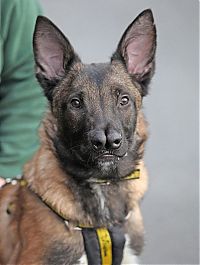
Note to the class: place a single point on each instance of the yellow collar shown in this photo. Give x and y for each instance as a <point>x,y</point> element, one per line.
<point>134,175</point>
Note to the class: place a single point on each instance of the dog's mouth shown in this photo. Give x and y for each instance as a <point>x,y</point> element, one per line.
<point>110,156</point>
<point>108,159</point>
<point>103,159</point>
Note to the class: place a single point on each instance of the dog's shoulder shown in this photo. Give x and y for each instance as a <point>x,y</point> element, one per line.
<point>10,212</point>
<point>25,218</point>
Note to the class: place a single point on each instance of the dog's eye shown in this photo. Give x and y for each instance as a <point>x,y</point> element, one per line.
<point>75,103</point>
<point>124,100</point>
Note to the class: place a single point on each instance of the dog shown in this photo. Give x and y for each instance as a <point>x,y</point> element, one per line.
<point>83,180</point>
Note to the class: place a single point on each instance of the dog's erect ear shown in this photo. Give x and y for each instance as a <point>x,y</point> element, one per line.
<point>137,48</point>
<point>53,54</point>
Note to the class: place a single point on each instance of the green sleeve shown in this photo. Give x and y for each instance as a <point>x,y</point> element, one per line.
<point>21,100</point>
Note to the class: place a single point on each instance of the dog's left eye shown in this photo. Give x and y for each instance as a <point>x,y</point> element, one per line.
<point>76,103</point>
<point>124,100</point>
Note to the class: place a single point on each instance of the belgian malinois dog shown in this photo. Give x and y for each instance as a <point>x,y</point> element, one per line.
<point>84,185</point>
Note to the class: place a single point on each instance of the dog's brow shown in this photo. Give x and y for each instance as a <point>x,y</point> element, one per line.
<point>97,72</point>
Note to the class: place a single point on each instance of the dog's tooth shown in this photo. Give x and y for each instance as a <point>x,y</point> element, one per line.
<point>126,154</point>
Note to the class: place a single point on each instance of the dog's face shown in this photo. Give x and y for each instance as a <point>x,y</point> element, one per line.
<point>96,105</point>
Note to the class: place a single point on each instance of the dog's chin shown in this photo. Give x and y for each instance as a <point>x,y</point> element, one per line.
<point>107,163</point>
<point>106,166</point>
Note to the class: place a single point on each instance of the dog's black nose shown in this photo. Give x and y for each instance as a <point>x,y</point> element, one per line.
<point>111,141</point>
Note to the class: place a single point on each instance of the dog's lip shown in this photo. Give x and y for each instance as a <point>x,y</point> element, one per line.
<point>108,155</point>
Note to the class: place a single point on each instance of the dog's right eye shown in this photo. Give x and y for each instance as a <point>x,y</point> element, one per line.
<point>76,103</point>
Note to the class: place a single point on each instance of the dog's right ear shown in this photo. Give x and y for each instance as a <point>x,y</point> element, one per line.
<point>53,54</point>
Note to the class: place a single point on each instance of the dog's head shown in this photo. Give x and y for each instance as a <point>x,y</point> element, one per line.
<point>96,106</point>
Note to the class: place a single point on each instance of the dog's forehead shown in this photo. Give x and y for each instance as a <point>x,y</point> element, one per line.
<point>97,73</point>
<point>104,75</point>
<point>99,79</point>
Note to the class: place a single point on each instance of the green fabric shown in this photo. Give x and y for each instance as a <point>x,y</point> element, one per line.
<point>21,100</point>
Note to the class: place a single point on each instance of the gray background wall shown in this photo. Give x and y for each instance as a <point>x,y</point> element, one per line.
<point>170,207</point>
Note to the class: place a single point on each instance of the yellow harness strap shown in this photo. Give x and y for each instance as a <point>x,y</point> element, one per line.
<point>104,246</point>
<point>105,243</point>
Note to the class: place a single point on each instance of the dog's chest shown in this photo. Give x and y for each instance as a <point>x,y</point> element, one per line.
<point>104,203</point>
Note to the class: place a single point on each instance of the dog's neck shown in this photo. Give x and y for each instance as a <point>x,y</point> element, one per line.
<point>47,178</point>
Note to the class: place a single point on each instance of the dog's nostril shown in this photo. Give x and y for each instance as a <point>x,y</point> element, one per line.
<point>114,140</point>
<point>97,145</point>
<point>117,143</point>
<point>99,140</point>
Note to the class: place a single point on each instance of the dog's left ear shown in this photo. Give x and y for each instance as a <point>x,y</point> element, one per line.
<point>137,49</point>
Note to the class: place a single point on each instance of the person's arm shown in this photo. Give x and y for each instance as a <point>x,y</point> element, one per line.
<point>21,100</point>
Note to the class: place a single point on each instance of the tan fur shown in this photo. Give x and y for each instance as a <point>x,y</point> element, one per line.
<point>27,228</point>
